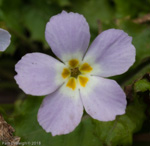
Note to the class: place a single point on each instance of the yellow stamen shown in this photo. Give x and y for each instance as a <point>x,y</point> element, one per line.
<point>73,63</point>
<point>71,83</point>
<point>65,73</point>
<point>83,81</point>
<point>86,68</point>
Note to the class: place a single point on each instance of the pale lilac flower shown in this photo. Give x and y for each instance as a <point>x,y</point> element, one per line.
<point>4,39</point>
<point>79,80</point>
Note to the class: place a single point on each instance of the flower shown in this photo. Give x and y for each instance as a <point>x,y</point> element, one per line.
<point>4,39</point>
<point>79,80</point>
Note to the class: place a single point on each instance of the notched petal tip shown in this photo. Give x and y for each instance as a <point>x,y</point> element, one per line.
<point>67,34</point>
<point>37,74</point>
<point>116,53</point>
<point>60,113</point>
<point>106,99</point>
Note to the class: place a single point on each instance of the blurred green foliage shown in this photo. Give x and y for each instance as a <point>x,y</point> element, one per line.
<point>120,131</point>
<point>142,85</point>
<point>26,20</point>
<point>28,128</point>
<point>90,132</point>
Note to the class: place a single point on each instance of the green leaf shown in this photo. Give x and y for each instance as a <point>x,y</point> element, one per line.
<point>140,35</point>
<point>35,17</point>
<point>82,136</point>
<point>26,21</point>
<point>27,127</point>
<point>94,10</point>
<point>142,85</point>
<point>142,44</point>
<point>120,131</point>
<point>90,132</point>
<point>12,14</point>
<point>131,7</point>
<point>36,27</point>
<point>63,3</point>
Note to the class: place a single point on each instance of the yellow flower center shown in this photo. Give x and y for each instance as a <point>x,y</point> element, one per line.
<point>83,80</point>
<point>65,73</point>
<point>73,63</point>
<point>86,68</point>
<point>76,73</point>
<point>71,83</point>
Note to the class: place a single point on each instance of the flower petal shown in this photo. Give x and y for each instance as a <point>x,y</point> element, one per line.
<point>103,99</point>
<point>4,39</point>
<point>68,35</point>
<point>39,74</point>
<point>61,111</point>
<point>112,53</point>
